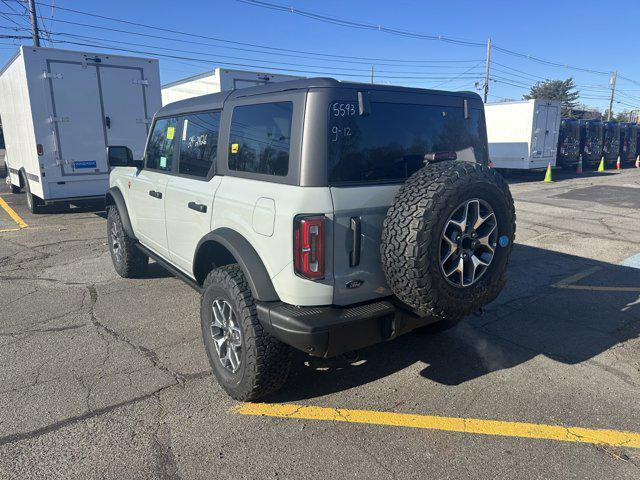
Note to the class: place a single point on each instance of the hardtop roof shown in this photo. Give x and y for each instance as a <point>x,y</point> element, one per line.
<point>215,101</point>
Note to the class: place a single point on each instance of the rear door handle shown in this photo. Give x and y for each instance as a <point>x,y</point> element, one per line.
<point>198,207</point>
<point>155,194</point>
<point>356,229</point>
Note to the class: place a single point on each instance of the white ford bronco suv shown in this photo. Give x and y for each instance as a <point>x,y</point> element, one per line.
<point>314,214</point>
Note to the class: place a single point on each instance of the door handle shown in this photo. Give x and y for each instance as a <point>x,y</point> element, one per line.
<point>155,194</point>
<point>198,207</point>
<point>356,240</point>
<point>107,121</point>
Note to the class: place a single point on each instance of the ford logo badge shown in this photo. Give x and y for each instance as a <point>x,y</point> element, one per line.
<point>354,284</point>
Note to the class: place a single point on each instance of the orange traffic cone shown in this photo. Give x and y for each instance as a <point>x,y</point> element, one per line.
<point>579,166</point>
<point>618,166</point>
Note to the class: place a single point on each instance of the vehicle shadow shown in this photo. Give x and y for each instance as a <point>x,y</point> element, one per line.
<point>531,317</point>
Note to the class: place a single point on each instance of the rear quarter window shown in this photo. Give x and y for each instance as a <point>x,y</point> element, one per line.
<point>390,143</point>
<point>260,138</point>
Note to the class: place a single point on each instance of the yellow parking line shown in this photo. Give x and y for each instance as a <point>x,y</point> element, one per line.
<point>576,277</point>
<point>448,424</point>
<point>16,218</point>
<point>569,282</point>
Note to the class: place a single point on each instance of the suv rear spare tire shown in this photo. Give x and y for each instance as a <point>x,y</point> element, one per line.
<point>446,240</point>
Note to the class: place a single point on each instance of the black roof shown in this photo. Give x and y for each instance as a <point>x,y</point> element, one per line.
<point>216,100</point>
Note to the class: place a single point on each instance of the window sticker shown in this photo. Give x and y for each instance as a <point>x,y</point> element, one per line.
<point>170,132</point>
<point>184,129</point>
<point>234,148</point>
<point>163,162</point>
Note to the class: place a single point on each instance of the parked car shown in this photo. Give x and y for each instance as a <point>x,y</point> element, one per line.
<point>314,214</point>
<point>60,109</point>
<point>568,144</point>
<point>611,142</point>
<point>591,140</point>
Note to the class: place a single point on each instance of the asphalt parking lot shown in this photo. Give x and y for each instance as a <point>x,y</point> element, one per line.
<point>102,377</point>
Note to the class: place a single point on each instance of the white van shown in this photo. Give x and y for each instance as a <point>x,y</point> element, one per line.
<point>523,135</point>
<point>60,109</point>
<point>218,80</point>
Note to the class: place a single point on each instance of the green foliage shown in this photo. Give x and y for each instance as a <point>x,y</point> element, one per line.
<point>563,90</point>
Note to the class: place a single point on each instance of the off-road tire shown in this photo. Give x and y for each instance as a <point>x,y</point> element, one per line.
<point>265,361</point>
<point>130,262</point>
<point>411,235</point>
<point>34,203</point>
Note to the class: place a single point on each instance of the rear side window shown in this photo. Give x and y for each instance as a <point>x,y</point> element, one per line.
<point>260,138</point>
<point>199,143</point>
<point>390,143</point>
<point>160,148</point>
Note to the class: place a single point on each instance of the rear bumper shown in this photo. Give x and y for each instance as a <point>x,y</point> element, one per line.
<point>328,331</point>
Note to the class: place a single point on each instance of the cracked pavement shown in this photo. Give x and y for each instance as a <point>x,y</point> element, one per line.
<point>102,377</point>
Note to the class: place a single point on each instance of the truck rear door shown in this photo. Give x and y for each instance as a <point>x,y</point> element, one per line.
<point>77,118</point>
<point>124,107</point>
<point>369,157</point>
<point>545,128</point>
<point>94,106</point>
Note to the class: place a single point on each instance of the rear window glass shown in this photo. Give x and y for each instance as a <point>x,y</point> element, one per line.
<point>390,143</point>
<point>260,137</point>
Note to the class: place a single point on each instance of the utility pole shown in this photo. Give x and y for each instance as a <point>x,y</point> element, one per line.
<point>612,82</point>
<point>34,23</point>
<point>371,73</point>
<point>486,76</point>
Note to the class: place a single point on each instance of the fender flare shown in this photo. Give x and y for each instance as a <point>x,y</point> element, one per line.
<point>114,197</point>
<point>247,258</point>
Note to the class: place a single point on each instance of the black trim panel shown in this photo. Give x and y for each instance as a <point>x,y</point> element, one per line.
<point>115,194</point>
<point>328,331</point>
<point>170,268</point>
<point>254,270</point>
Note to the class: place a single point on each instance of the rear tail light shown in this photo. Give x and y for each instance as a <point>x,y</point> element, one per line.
<point>309,246</point>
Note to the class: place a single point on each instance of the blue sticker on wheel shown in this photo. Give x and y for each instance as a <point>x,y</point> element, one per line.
<point>85,164</point>
<point>503,241</point>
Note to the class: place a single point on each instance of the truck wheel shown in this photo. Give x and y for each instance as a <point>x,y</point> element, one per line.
<point>35,204</point>
<point>247,361</point>
<point>128,261</point>
<point>446,240</point>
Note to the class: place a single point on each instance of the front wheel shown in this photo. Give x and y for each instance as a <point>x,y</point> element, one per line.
<point>128,261</point>
<point>247,361</point>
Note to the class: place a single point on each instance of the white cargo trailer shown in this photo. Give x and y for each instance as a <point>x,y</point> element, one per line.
<point>523,135</point>
<point>60,109</point>
<point>218,80</point>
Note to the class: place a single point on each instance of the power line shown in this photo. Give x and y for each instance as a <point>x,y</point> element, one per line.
<point>245,44</point>
<point>360,25</point>
<point>212,62</point>
<point>91,38</point>
<point>356,24</point>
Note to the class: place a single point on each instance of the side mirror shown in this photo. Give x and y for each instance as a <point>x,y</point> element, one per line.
<point>120,156</point>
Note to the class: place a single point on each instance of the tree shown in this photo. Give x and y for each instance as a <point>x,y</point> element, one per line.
<point>563,90</point>
<point>623,116</point>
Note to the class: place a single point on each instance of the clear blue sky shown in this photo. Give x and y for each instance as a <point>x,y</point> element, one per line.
<point>598,35</point>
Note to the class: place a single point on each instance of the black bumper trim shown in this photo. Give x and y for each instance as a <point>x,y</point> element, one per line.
<point>328,331</point>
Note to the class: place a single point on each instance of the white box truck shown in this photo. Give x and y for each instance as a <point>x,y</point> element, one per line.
<point>218,80</point>
<point>523,135</point>
<point>60,109</point>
